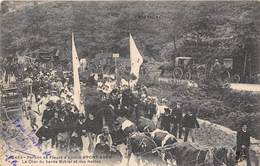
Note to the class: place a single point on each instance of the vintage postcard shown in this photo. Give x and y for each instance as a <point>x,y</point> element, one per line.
<point>174,83</point>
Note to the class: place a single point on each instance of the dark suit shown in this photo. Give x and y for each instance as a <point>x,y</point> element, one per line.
<point>44,132</point>
<point>126,97</point>
<point>150,110</point>
<point>167,119</point>
<point>177,125</point>
<point>47,115</point>
<point>189,122</point>
<point>243,138</point>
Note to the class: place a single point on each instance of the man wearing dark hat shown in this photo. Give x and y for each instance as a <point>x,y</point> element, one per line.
<point>150,109</point>
<point>92,130</point>
<point>126,97</point>
<point>166,120</point>
<point>178,116</point>
<point>243,144</point>
<point>48,113</point>
<point>114,98</point>
<point>189,123</point>
<point>62,129</point>
<point>35,87</point>
<point>44,134</point>
<point>53,123</point>
<point>79,131</point>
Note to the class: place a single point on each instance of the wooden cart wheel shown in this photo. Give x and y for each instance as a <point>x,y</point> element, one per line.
<point>187,75</point>
<point>177,73</point>
<point>201,72</point>
<point>236,78</point>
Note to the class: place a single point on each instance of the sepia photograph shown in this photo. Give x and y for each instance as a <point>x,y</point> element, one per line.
<point>129,83</point>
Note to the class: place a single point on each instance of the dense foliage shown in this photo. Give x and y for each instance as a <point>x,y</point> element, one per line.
<point>162,30</point>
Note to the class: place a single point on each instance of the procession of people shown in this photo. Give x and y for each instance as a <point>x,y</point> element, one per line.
<point>48,96</point>
<point>66,126</point>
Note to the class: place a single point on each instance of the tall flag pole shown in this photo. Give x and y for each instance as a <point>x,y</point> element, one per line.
<point>75,66</point>
<point>136,61</point>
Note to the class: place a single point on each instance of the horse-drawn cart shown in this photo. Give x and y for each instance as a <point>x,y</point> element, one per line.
<point>184,68</point>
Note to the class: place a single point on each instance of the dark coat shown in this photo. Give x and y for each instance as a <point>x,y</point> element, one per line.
<point>47,115</point>
<point>58,126</point>
<point>141,108</point>
<point>150,110</point>
<point>94,125</point>
<point>62,126</point>
<point>115,101</point>
<point>53,123</point>
<point>126,97</point>
<point>243,138</point>
<point>167,119</point>
<point>118,136</point>
<point>44,132</point>
<point>80,127</point>
<point>190,121</point>
<point>178,115</point>
<point>72,119</point>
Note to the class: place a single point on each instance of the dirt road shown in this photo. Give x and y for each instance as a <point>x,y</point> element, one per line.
<point>246,87</point>
<point>235,86</point>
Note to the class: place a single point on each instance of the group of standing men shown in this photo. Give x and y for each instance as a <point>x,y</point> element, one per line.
<point>177,120</point>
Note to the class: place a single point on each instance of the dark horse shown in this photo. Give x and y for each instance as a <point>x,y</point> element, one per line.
<point>143,148</point>
<point>139,145</point>
<point>166,68</point>
<point>124,128</point>
<point>188,154</point>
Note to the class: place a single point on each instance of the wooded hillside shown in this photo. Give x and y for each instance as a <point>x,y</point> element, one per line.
<point>162,30</point>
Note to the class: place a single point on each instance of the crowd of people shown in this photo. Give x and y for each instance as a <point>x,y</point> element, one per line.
<point>173,118</point>
<point>48,94</point>
<point>64,126</point>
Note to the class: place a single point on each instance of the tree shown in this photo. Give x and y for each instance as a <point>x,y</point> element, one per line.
<point>198,32</point>
<point>247,45</point>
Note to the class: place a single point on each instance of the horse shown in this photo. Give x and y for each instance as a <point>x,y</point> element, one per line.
<point>189,154</point>
<point>166,68</point>
<point>128,127</point>
<point>163,138</point>
<point>125,128</point>
<point>145,125</point>
<point>142,147</point>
